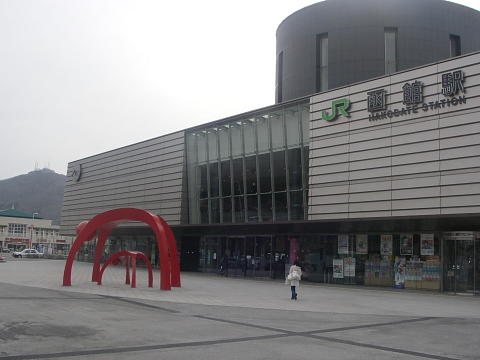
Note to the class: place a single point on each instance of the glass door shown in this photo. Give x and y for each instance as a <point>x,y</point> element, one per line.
<point>209,254</point>
<point>263,256</point>
<point>237,258</point>
<point>459,270</point>
<point>250,261</point>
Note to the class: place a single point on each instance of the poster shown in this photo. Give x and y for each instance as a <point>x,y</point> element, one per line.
<point>338,268</point>
<point>362,244</point>
<point>427,244</point>
<point>343,244</point>
<point>400,265</point>
<point>349,266</point>
<point>406,244</point>
<point>386,247</point>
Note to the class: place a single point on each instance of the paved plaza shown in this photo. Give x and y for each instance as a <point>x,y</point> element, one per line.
<point>213,317</point>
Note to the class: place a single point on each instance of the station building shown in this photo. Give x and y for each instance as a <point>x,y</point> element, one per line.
<point>365,170</point>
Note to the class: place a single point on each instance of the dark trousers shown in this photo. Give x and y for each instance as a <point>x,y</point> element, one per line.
<point>293,292</point>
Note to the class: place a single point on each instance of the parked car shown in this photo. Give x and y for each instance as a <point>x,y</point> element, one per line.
<point>5,250</point>
<point>27,253</point>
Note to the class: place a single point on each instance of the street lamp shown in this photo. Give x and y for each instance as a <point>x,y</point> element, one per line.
<point>30,244</point>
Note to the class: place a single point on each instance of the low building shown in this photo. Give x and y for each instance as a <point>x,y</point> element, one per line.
<point>19,230</point>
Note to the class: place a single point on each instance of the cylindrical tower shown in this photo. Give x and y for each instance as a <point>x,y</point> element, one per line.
<point>339,42</point>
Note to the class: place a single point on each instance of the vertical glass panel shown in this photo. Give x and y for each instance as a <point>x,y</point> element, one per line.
<point>204,211</point>
<point>191,153</point>
<point>249,136</point>
<point>281,206</point>
<point>305,121</point>
<point>296,205</point>
<point>276,124</point>
<point>324,62</point>
<point>262,134</point>
<point>476,275</point>
<point>212,145</point>
<point>252,208</point>
<point>390,53</point>
<point>201,147</point>
<point>238,176</point>
<point>215,210</point>
<point>455,48</point>
<point>265,173</point>
<point>390,50</point>
<point>266,207</point>
<point>214,181</point>
<point>295,168</point>
<point>390,68</point>
<point>279,173</point>
<point>324,50</point>
<point>305,151</point>
<point>236,137</point>
<point>279,77</point>
<point>292,126</point>
<point>226,178</point>
<point>324,79</point>
<point>192,194</point>
<point>227,209</point>
<point>224,143</point>
<point>239,209</point>
<point>251,174</point>
<point>202,182</point>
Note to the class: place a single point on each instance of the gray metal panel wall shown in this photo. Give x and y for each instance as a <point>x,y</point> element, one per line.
<point>149,175</point>
<point>424,163</point>
<point>356,39</point>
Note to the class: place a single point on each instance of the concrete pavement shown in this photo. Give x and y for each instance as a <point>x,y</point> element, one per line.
<point>213,317</point>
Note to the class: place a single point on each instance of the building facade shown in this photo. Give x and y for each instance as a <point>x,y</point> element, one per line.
<point>373,183</point>
<point>20,231</point>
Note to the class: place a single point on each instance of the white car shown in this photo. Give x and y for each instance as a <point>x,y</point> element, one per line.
<point>27,253</point>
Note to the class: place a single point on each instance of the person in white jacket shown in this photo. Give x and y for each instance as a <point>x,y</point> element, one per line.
<point>294,277</point>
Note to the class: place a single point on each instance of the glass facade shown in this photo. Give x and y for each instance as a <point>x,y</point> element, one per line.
<point>250,169</point>
<point>404,261</point>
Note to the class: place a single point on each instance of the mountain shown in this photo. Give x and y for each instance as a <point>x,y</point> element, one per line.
<point>39,191</point>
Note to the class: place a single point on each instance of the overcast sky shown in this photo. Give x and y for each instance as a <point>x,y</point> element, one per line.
<point>81,77</point>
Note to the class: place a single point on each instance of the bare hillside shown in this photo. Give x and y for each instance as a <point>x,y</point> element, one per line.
<point>39,191</point>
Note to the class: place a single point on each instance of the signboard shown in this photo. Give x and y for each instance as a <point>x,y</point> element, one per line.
<point>452,89</point>
<point>18,240</point>
<point>338,268</point>
<point>406,244</point>
<point>452,84</point>
<point>343,244</point>
<point>349,266</point>
<point>427,245</point>
<point>362,244</point>
<point>400,265</point>
<point>459,235</point>
<point>386,247</point>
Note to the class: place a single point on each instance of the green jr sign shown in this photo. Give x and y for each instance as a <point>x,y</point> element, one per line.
<point>338,107</point>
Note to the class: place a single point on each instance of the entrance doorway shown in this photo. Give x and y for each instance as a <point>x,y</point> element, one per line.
<point>461,255</point>
<point>248,256</point>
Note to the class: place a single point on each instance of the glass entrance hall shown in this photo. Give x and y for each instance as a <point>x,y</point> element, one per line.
<point>446,262</point>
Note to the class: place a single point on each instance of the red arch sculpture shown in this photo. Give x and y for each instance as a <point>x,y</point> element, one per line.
<point>104,223</point>
<point>133,255</point>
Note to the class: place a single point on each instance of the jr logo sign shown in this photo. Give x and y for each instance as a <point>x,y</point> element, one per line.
<point>338,106</point>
